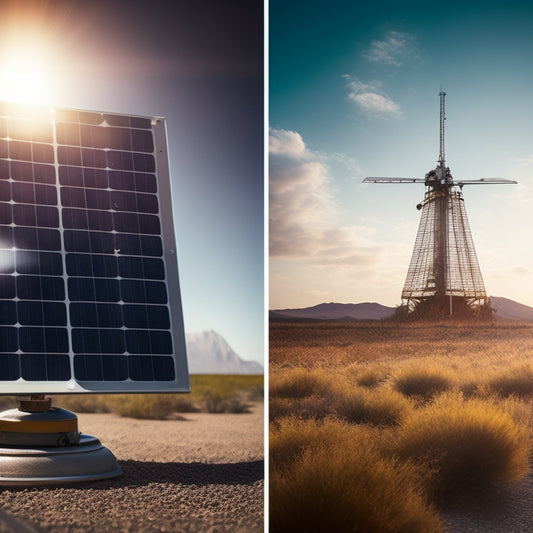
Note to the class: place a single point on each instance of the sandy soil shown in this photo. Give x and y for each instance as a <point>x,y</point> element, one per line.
<point>203,474</point>
<point>507,509</point>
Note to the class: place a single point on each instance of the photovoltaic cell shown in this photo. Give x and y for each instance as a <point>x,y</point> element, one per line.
<point>89,291</point>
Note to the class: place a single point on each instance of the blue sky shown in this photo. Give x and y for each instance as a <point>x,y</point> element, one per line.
<point>200,65</point>
<point>354,92</point>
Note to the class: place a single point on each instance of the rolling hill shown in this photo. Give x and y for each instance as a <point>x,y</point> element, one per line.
<point>505,309</point>
<point>511,310</point>
<point>336,311</point>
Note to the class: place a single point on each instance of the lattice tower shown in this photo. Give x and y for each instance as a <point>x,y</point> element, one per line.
<point>444,277</point>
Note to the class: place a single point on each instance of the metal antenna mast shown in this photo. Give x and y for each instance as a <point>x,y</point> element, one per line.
<point>442,159</point>
<point>444,278</point>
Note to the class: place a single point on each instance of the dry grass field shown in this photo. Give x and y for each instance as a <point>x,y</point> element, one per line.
<point>211,393</point>
<point>391,426</point>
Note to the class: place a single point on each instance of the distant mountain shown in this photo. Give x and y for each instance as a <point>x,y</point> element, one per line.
<point>504,309</point>
<point>511,310</point>
<point>335,311</point>
<point>209,353</point>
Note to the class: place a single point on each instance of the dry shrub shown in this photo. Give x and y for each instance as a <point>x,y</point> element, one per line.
<point>226,385</point>
<point>470,388</point>
<point>219,403</point>
<point>291,436</point>
<point>279,408</point>
<point>152,406</point>
<point>184,403</point>
<point>517,381</point>
<point>302,392</point>
<point>379,407</point>
<point>214,393</point>
<point>83,403</point>
<point>518,408</point>
<point>348,486</point>
<point>257,393</point>
<point>368,376</point>
<point>423,382</point>
<point>314,407</point>
<point>299,382</point>
<point>468,445</point>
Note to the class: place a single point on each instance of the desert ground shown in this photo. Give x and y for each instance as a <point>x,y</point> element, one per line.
<point>204,473</point>
<point>507,510</point>
<point>326,372</point>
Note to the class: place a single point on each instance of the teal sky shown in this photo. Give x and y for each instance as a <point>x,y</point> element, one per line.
<point>354,92</point>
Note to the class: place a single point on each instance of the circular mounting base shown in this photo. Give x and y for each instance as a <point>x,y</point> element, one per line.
<point>29,466</point>
<point>54,427</point>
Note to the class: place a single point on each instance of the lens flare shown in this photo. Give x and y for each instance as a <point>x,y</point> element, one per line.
<point>26,72</point>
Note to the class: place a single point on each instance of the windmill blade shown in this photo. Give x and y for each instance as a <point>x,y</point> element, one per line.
<point>393,180</point>
<point>481,181</point>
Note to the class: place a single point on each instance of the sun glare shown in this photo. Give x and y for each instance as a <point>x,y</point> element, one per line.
<point>26,72</point>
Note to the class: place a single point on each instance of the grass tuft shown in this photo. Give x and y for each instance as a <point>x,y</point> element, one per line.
<point>378,407</point>
<point>515,381</point>
<point>279,408</point>
<point>314,407</point>
<point>368,377</point>
<point>348,486</point>
<point>422,382</point>
<point>300,383</point>
<point>468,445</point>
<point>291,436</point>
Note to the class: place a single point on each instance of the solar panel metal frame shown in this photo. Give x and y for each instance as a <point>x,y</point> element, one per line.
<point>180,381</point>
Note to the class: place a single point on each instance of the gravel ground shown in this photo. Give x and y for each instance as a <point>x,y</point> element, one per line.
<point>507,509</point>
<point>202,474</point>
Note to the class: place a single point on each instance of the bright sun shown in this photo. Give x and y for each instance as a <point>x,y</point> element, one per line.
<point>26,72</point>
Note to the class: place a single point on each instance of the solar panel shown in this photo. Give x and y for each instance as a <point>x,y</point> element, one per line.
<point>89,290</point>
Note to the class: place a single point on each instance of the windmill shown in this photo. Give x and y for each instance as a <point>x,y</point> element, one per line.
<point>444,278</point>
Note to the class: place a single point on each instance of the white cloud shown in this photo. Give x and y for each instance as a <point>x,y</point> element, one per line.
<point>392,49</point>
<point>371,99</point>
<point>314,257</point>
<point>289,143</point>
<point>299,200</point>
<point>302,210</point>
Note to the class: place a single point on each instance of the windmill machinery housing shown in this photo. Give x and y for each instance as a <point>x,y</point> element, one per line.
<point>444,278</point>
